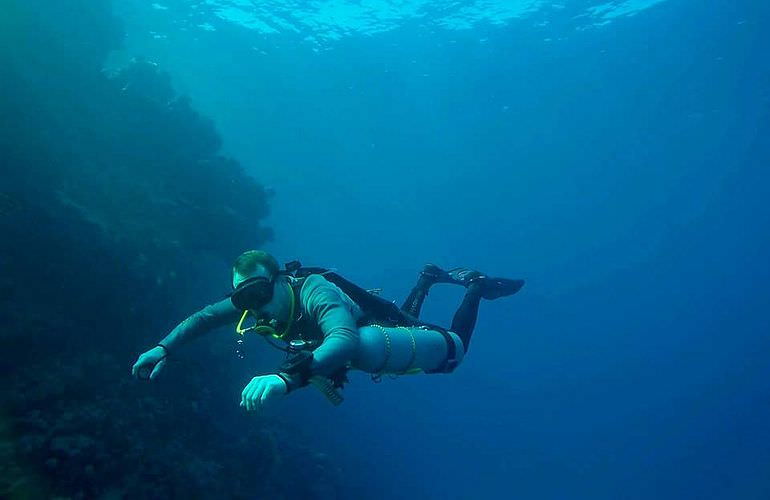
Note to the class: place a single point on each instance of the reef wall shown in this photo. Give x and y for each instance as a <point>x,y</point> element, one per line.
<point>114,199</point>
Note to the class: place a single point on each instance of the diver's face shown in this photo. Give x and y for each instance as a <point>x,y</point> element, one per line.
<point>279,304</point>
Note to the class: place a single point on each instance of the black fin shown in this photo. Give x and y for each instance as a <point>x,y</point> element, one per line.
<point>494,288</point>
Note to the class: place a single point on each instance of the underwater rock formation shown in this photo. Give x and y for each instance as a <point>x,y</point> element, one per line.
<point>113,191</point>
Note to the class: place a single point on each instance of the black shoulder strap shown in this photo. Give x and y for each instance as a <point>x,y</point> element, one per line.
<point>375,308</point>
<point>297,270</point>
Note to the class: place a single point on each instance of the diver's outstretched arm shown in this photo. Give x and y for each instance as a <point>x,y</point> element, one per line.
<point>207,319</point>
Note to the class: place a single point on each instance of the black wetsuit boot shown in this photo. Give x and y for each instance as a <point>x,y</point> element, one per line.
<point>413,303</point>
<point>429,276</point>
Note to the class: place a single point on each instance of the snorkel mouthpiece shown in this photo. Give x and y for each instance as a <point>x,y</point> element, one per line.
<point>260,325</point>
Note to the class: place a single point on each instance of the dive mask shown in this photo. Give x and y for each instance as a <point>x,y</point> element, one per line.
<point>252,293</point>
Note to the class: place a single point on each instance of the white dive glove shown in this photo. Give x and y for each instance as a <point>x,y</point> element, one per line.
<point>150,364</point>
<point>262,389</point>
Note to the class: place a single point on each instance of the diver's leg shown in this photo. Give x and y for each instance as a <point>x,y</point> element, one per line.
<point>464,320</point>
<point>478,286</point>
<point>413,303</point>
<point>429,276</point>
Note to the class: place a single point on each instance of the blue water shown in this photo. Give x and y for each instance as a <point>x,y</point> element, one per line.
<point>614,155</point>
<point>616,162</point>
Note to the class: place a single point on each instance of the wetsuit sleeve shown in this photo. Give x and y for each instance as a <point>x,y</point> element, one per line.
<point>334,313</point>
<point>210,317</point>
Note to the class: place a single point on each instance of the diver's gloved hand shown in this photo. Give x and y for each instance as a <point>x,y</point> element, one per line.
<point>149,364</point>
<point>262,389</point>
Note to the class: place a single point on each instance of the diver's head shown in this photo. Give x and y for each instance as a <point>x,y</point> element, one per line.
<point>254,263</point>
<point>261,291</point>
<point>255,275</point>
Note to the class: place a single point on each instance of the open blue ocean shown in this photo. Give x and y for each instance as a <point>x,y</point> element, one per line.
<point>614,154</point>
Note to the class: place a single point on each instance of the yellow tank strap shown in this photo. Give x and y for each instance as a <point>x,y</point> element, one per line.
<point>388,349</point>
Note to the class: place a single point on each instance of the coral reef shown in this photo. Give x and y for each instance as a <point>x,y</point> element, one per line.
<point>113,193</point>
<point>79,436</point>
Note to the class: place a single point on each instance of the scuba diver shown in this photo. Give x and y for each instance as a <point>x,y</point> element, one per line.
<point>328,326</point>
